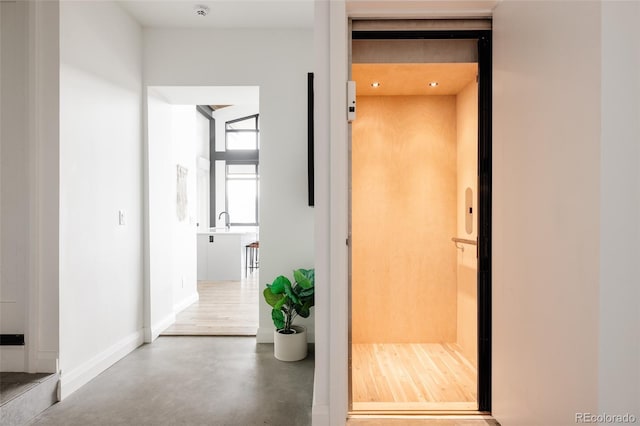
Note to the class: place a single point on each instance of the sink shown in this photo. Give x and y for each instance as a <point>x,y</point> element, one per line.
<point>233,230</point>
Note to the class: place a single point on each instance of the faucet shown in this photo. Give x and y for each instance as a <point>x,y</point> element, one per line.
<point>228,225</point>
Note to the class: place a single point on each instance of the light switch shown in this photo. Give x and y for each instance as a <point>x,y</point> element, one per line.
<point>121,217</point>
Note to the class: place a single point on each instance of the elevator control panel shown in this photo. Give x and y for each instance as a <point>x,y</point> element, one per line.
<point>351,101</point>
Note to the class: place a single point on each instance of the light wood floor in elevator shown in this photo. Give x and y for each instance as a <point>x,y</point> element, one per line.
<point>412,377</point>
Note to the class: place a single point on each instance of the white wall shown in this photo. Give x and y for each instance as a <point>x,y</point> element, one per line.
<point>14,168</point>
<point>203,165</point>
<point>619,328</point>
<point>330,397</point>
<point>43,310</point>
<point>101,265</point>
<point>278,62</point>
<point>324,344</point>
<point>202,136</point>
<point>174,137</point>
<point>161,214</point>
<point>29,192</point>
<point>579,263</point>
<point>546,198</point>
<point>184,140</point>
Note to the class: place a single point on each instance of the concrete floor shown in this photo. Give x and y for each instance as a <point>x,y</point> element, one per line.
<point>218,381</point>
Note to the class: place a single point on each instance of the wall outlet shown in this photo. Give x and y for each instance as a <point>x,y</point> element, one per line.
<point>121,217</point>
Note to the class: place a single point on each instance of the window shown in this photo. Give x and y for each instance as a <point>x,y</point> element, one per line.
<point>242,193</point>
<point>242,134</point>
<point>242,181</point>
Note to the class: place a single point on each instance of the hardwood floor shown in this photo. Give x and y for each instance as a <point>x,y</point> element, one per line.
<point>225,308</point>
<point>472,420</point>
<point>412,377</point>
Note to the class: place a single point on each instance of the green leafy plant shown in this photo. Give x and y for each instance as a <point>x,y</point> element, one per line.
<point>290,300</point>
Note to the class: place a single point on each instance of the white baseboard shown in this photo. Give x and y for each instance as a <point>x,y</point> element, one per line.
<point>265,335</point>
<point>70,381</point>
<point>320,415</point>
<point>152,333</point>
<point>186,302</point>
<point>12,358</point>
<point>161,326</point>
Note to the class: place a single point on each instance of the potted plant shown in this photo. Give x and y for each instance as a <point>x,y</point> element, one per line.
<point>289,301</point>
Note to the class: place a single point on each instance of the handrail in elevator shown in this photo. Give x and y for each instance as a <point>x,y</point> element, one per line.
<point>459,241</point>
<point>464,241</point>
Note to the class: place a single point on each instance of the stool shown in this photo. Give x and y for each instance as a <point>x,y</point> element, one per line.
<point>251,257</point>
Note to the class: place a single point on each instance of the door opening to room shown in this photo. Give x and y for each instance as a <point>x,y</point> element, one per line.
<point>228,250</point>
<point>207,173</point>
<point>420,222</point>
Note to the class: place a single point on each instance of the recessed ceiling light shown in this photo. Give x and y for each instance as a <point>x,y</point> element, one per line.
<point>433,84</point>
<point>375,84</point>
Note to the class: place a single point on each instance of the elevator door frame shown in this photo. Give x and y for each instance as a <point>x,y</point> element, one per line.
<point>484,191</point>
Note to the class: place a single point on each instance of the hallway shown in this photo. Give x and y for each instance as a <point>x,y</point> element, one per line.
<point>225,308</point>
<point>220,381</point>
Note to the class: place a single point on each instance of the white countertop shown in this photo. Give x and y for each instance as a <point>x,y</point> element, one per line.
<point>234,230</point>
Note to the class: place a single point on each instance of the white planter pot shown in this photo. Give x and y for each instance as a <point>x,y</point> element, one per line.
<point>290,347</point>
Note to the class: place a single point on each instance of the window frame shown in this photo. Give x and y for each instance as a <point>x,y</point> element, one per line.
<point>243,157</point>
<point>226,191</point>
<point>255,130</point>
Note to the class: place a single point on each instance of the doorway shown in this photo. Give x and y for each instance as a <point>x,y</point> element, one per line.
<point>228,235</point>
<point>203,209</point>
<point>420,222</point>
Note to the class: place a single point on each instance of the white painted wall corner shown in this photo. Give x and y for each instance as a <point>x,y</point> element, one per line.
<point>185,303</point>
<point>160,326</point>
<point>320,415</point>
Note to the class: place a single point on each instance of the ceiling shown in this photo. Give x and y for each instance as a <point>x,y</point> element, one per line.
<point>223,14</point>
<point>395,79</point>
<point>227,14</point>
<point>208,95</point>
<point>412,79</point>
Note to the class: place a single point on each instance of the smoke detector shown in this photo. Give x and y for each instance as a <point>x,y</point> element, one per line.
<point>201,10</point>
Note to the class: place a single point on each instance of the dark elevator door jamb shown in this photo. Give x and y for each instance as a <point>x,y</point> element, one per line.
<point>484,185</point>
